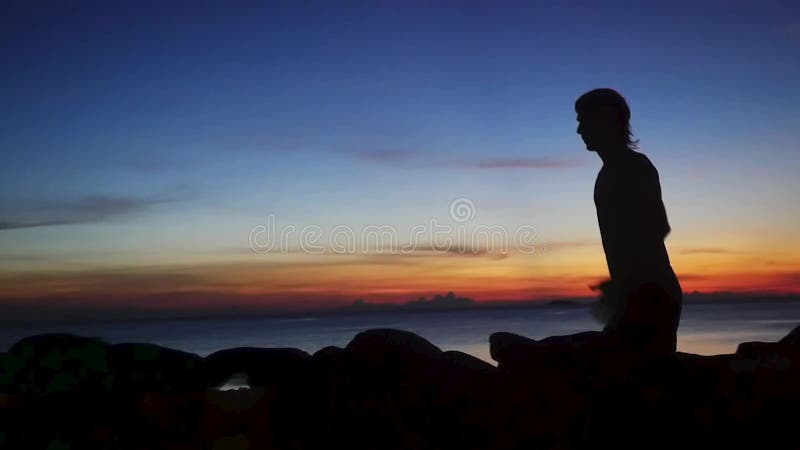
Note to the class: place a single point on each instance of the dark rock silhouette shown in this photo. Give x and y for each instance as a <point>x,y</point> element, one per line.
<point>792,339</point>
<point>138,366</point>
<point>406,349</point>
<point>511,350</point>
<point>328,353</point>
<point>392,389</point>
<point>788,347</point>
<point>284,377</point>
<point>51,364</point>
<point>260,365</point>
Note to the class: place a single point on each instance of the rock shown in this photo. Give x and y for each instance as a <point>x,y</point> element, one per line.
<point>41,344</point>
<point>392,389</point>
<point>378,393</point>
<point>55,363</point>
<point>756,349</point>
<point>10,368</point>
<point>262,365</point>
<point>234,411</point>
<point>792,339</point>
<point>463,380</point>
<point>391,345</point>
<point>399,353</point>
<point>139,366</point>
<point>235,442</point>
<point>65,382</point>
<point>284,378</point>
<point>329,367</point>
<point>512,351</point>
<point>328,362</point>
<point>466,363</point>
<point>461,376</point>
<point>328,353</point>
<point>161,419</point>
<point>787,347</point>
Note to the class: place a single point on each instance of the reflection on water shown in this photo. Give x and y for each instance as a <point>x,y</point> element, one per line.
<point>706,328</point>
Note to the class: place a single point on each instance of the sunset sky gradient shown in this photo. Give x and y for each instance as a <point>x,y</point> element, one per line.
<point>142,141</point>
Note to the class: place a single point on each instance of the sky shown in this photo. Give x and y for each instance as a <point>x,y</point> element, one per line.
<point>147,146</point>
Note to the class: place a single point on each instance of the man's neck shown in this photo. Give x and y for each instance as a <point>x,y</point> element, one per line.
<point>611,154</point>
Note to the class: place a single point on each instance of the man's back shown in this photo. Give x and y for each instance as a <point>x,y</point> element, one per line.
<point>631,215</point>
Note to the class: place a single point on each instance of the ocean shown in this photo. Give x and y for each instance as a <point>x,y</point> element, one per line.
<point>709,327</point>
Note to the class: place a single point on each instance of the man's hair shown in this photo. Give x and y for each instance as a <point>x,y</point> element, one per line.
<point>603,98</point>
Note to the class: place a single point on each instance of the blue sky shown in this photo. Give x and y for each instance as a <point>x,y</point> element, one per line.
<point>143,133</point>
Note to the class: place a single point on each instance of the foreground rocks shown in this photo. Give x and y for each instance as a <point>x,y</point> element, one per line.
<point>391,389</point>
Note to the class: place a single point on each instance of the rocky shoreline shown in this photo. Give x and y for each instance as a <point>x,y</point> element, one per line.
<point>391,389</point>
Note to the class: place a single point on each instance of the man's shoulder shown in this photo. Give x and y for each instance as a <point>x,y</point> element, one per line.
<point>640,158</point>
<point>642,163</point>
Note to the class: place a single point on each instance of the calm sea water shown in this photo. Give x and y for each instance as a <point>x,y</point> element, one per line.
<point>706,328</point>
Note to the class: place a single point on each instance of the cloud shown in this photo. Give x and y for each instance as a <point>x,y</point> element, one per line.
<point>397,251</point>
<point>792,29</point>
<point>394,252</point>
<point>524,163</point>
<point>409,158</point>
<point>430,251</point>
<point>87,209</point>
<point>388,156</point>
<point>786,281</point>
<point>707,250</point>
<point>563,245</point>
<point>145,164</point>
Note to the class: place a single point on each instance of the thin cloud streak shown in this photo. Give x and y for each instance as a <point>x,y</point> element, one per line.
<point>84,210</point>
<point>387,156</point>
<point>525,163</point>
<point>707,250</point>
<point>412,158</point>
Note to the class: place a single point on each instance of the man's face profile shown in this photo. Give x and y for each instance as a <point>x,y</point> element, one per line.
<point>599,128</point>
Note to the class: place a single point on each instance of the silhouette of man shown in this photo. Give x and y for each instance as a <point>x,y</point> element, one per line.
<point>641,303</point>
<point>642,300</point>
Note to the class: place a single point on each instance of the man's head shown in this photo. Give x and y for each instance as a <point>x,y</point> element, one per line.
<point>604,120</point>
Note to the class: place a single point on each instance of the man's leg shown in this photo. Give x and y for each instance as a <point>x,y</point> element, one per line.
<point>651,319</point>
